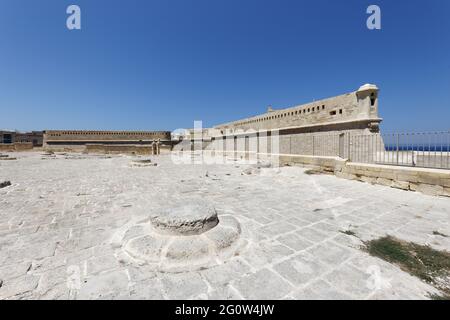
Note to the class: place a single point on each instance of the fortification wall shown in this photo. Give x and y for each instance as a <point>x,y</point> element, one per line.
<point>17,146</point>
<point>65,148</point>
<point>329,143</point>
<point>435,182</point>
<point>354,106</point>
<point>118,149</point>
<point>74,137</point>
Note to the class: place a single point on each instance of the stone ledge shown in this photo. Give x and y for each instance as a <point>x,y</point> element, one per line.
<point>435,182</point>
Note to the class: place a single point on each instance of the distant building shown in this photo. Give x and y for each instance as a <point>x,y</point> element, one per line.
<point>10,137</point>
<point>85,140</point>
<point>323,127</point>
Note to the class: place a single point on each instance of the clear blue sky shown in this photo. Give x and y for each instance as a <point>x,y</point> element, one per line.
<point>160,64</point>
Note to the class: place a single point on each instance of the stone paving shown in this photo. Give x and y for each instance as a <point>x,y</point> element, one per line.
<point>65,219</point>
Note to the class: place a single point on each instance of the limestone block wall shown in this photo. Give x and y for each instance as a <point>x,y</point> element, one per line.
<point>8,147</point>
<point>65,148</point>
<point>23,146</point>
<point>118,149</point>
<point>34,137</point>
<point>294,141</point>
<point>69,137</point>
<point>17,146</point>
<point>434,182</point>
<point>323,128</point>
<point>359,105</point>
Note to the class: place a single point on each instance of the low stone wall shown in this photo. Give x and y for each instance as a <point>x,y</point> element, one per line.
<point>165,149</point>
<point>428,181</point>
<point>17,146</point>
<point>434,182</point>
<point>7,147</point>
<point>116,149</point>
<point>65,148</point>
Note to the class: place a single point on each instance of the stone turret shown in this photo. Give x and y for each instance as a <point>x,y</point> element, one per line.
<point>367,96</point>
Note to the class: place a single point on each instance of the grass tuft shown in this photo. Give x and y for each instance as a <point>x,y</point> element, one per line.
<point>421,261</point>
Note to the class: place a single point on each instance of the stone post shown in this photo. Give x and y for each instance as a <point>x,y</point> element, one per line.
<point>153,147</point>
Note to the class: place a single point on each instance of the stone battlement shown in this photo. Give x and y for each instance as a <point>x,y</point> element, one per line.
<point>358,106</point>
<point>70,135</point>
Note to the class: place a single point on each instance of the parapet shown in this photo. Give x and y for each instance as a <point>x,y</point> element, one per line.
<point>367,87</point>
<point>351,109</point>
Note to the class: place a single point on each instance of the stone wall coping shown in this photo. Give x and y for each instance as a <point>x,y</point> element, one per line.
<point>305,156</point>
<point>400,168</point>
<point>76,140</point>
<point>287,109</point>
<point>299,127</point>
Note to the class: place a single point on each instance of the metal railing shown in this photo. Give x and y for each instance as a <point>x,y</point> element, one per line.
<point>428,150</point>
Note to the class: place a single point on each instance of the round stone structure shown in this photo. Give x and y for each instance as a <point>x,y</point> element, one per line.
<point>191,219</point>
<point>183,238</point>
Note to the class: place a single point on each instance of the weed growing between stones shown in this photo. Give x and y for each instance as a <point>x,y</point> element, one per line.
<point>424,262</point>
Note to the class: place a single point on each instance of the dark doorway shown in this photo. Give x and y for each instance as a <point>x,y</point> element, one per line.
<point>7,138</point>
<point>342,145</point>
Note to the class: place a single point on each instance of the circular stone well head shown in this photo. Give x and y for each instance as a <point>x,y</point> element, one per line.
<point>185,220</point>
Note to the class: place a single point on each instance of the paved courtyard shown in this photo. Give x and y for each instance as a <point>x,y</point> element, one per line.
<point>66,219</point>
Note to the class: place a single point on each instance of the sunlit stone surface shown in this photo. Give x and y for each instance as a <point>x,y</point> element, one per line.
<point>76,226</point>
<point>187,219</point>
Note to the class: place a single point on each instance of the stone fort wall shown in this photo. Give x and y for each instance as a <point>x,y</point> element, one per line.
<point>68,136</point>
<point>138,142</point>
<point>319,128</point>
<point>358,106</point>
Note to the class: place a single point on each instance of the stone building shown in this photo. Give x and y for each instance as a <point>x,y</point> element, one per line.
<point>7,137</point>
<point>108,141</point>
<point>34,137</point>
<point>357,109</point>
<point>324,127</point>
<point>11,137</point>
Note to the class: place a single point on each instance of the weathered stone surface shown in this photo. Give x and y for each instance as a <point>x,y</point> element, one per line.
<point>446,182</point>
<point>13,271</point>
<point>18,286</point>
<point>183,286</point>
<point>346,175</point>
<point>263,164</point>
<point>150,289</point>
<point>301,269</point>
<point>446,192</point>
<point>225,273</point>
<point>250,171</point>
<point>428,189</point>
<point>187,219</point>
<point>275,218</point>
<point>147,248</point>
<point>223,237</point>
<point>384,182</point>
<point>262,284</point>
<point>183,249</point>
<point>294,241</point>
<point>104,285</point>
<point>320,290</point>
<point>368,179</point>
<point>404,185</point>
<point>352,281</point>
<point>188,251</point>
